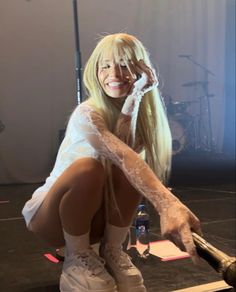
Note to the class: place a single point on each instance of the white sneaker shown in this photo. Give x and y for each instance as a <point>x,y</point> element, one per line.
<point>128,277</point>
<point>85,272</point>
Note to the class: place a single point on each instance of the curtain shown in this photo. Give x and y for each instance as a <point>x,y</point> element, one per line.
<point>229,128</point>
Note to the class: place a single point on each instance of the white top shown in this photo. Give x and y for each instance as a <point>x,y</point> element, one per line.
<point>75,145</point>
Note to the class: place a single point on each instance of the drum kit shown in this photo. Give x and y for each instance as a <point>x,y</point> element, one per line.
<point>186,129</point>
<point>181,125</point>
<point>192,132</point>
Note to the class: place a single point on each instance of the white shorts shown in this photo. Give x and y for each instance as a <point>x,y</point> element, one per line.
<point>32,205</point>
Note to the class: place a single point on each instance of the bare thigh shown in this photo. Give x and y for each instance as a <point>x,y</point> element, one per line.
<point>89,174</point>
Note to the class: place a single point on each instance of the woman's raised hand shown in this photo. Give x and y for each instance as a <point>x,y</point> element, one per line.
<point>146,78</point>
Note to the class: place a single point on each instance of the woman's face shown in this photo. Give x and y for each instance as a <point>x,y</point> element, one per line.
<point>116,79</point>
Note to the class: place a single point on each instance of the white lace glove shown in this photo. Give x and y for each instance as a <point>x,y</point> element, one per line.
<point>177,222</point>
<point>146,82</point>
<point>126,124</point>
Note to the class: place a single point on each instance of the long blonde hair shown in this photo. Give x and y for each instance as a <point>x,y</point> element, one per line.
<point>152,123</point>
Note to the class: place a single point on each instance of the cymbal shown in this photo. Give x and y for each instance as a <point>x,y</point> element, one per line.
<point>194,83</point>
<point>207,95</point>
<point>191,101</point>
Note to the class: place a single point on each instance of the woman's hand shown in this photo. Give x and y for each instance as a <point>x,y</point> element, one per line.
<point>146,79</point>
<point>177,222</point>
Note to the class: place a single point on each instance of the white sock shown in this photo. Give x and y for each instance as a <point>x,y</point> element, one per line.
<point>115,235</point>
<point>76,243</point>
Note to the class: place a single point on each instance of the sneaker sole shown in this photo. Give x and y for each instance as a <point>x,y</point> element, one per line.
<point>139,288</point>
<point>73,286</point>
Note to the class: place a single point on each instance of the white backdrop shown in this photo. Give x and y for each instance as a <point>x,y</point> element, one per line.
<point>37,84</point>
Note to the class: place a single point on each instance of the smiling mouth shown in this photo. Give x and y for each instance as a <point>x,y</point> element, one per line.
<point>115,84</point>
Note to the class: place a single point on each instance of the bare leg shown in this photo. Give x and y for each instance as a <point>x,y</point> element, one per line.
<point>72,203</point>
<point>128,277</point>
<point>127,198</point>
<point>65,218</point>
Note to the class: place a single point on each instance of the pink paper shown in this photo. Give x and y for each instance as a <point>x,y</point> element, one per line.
<point>164,249</point>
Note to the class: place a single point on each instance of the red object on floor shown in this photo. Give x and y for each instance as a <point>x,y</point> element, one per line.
<point>51,258</point>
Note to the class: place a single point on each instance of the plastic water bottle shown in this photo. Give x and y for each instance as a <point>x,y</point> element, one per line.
<point>142,229</point>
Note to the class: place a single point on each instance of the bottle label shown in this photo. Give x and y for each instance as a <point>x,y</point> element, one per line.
<point>141,222</point>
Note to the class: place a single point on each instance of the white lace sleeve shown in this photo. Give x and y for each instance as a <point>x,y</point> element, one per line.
<point>176,219</point>
<point>135,169</point>
<point>126,124</point>
<point>125,128</point>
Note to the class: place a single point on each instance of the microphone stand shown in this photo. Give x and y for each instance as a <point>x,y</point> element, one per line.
<point>217,259</point>
<point>78,68</point>
<point>207,95</point>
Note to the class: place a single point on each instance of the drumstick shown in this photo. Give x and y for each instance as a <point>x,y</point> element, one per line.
<point>221,262</point>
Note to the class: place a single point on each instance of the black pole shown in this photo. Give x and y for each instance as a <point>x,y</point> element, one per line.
<point>78,67</point>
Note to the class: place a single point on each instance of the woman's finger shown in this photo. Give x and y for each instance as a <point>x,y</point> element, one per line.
<point>149,71</point>
<point>187,240</point>
<point>176,239</point>
<point>195,224</point>
<point>141,67</point>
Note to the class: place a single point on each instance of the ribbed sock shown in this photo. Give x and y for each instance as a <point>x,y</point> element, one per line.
<point>76,243</point>
<point>115,235</point>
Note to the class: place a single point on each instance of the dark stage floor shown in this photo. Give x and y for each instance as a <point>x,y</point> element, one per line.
<point>211,196</point>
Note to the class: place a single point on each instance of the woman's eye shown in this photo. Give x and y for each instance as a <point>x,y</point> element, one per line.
<point>105,66</point>
<point>123,66</point>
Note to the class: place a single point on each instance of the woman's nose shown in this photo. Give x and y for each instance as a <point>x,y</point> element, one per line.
<point>115,71</point>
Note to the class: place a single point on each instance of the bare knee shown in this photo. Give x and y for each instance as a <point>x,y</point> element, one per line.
<point>80,187</point>
<point>86,172</point>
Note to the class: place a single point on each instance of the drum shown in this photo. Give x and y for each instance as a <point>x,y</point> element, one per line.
<point>176,108</point>
<point>178,136</point>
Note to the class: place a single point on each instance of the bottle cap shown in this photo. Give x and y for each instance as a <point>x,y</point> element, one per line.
<point>141,207</point>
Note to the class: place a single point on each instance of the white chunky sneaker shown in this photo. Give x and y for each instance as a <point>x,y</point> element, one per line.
<point>85,272</point>
<point>128,277</point>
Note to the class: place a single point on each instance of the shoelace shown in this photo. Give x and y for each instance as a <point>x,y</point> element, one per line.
<point>120,257</point>
<point>91,261</point>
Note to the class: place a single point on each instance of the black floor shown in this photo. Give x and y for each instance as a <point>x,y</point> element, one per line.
<point>208,189</point>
